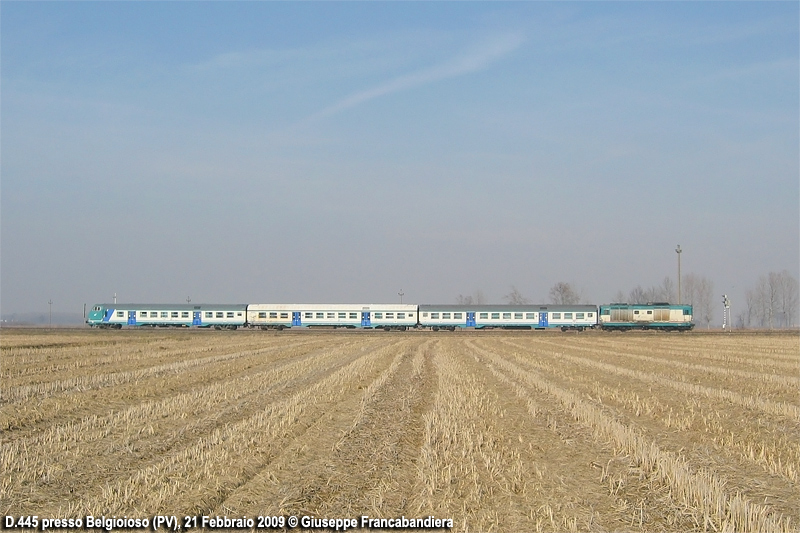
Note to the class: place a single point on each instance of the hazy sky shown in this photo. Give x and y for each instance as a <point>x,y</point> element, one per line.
<point>338,152</point>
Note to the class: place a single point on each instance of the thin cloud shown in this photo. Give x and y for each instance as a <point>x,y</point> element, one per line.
<point>464,64</point>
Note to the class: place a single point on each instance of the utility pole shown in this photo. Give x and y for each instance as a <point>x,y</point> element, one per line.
<point>188,300</point>
<point>678,249</point>
<point>50,303</point>
<point>401,293</point>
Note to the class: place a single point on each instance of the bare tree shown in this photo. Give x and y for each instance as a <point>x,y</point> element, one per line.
<point>471,299</point>
<point>689,286</point>
<point>638,296</point>
<point>562,293</point>
<point>667,291</point>
<point>515,297</point>
<point>619,297</point>
<point>704,305</point>
<point>787,298</point>
<point>774,300</point>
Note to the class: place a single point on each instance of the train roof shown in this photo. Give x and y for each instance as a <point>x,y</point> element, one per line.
<point>178,307</point>
<point>507,307</point>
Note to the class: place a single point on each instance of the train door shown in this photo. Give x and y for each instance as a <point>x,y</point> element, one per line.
<point>470,319</point>
<point>543,319</point>
<point>296,318</point>
<point>131,318</point>
<point>365,320</point>
<point>196,319</point>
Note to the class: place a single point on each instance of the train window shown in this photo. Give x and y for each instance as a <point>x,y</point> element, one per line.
<point>649,312</point>
<point>506,315</point>
<point>163,314</point>
<point>173,314</point>
<point>309,315</point>
<point>354,315</point>
<point>483,315</point>
<point>567,316</point>
<point>401,315</point>
<point>262,314</point>
<point>389,315</point>
<point>331,315</point>
<point>518,316</point>
<point>636,312</point>
<point>97,308</point>
<point>424,315</point>
<point>209,314</point>
<point>686,312</point>
<point>556,316</point>
<point>434,315</point>
<point>590,315</point>
<point>529,316</point>
<point>238,313</point>
<point>185,314</point>
<point>284,315</point>
<point>377,315</point>
<point>342,315</point>
<point>445,315</point>
<point>458,315</point>
<point>120,314</point>
<point>495,315</point>
<point>219,314</point>
<point>605,311</point>
<point>579,316</point>
<point>320,315</point>
<point>273,314</point>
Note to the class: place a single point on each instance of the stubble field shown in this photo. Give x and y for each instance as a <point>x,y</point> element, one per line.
<point>500,432</point>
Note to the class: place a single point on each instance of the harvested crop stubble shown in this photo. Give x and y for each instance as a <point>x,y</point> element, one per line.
<point>500,432</point>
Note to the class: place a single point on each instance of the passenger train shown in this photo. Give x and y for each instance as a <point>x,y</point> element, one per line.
<point>620,317</point>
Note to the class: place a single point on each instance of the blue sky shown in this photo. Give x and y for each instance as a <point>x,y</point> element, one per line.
<point>338,152</point>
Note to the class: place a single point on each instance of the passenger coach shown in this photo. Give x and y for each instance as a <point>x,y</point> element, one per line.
<point>218,316</point>
<point>578,317</point>
<point>371,316</point>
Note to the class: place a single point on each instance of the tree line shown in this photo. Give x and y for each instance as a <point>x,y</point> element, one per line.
<point>771,303</point>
